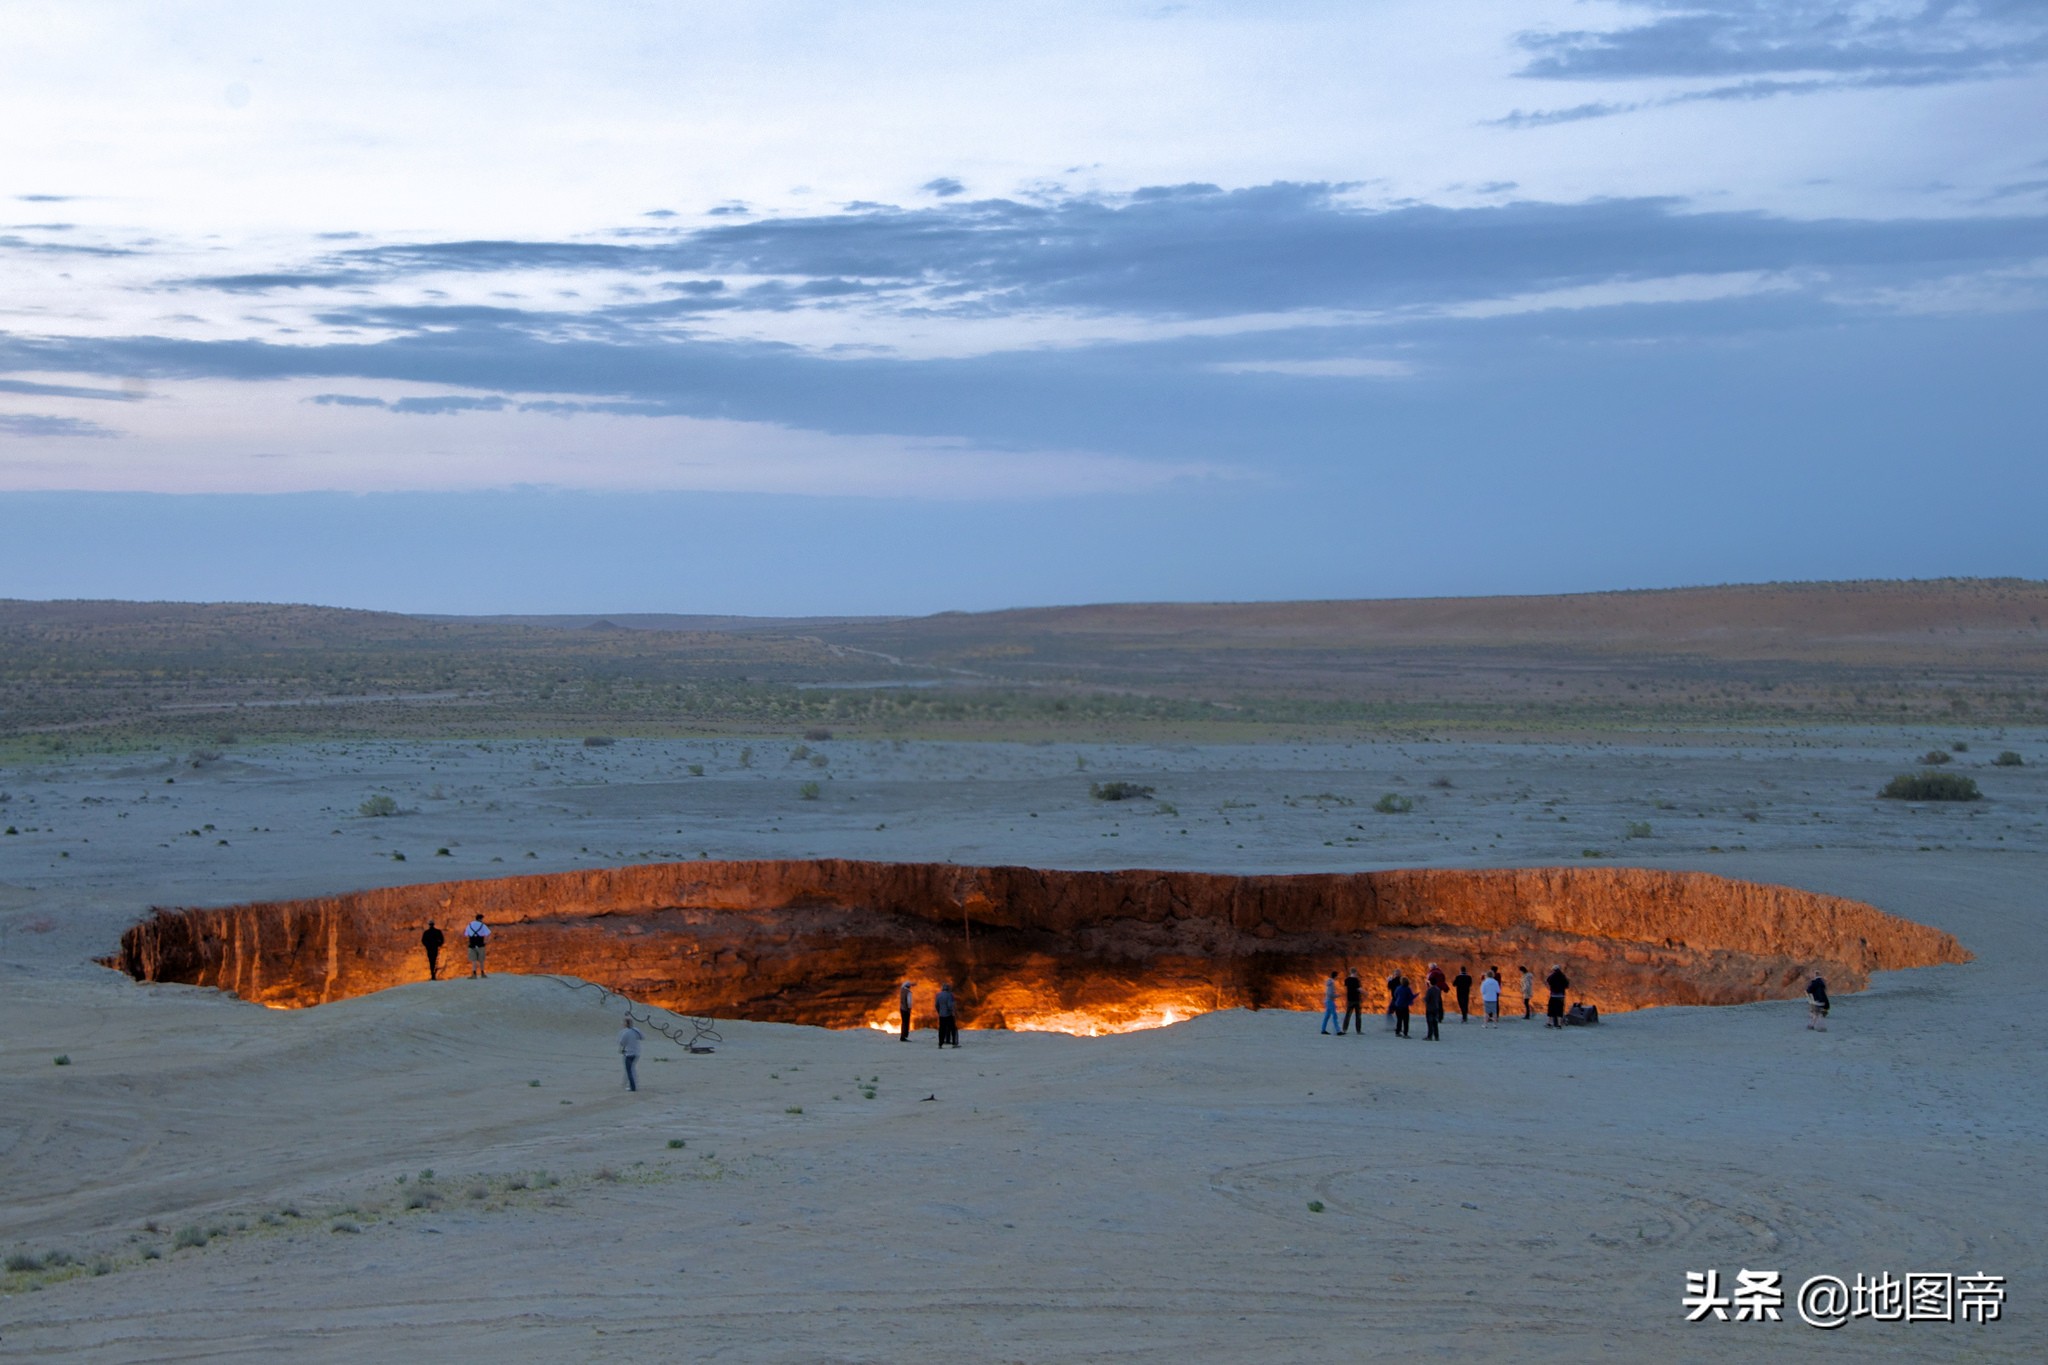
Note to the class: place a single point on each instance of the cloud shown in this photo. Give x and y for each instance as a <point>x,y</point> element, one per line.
<point>25,386</point>
<point>945,187</point>
<point>41,424</point>
<point>1931,40</point>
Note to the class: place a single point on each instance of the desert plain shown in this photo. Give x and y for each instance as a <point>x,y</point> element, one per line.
<point>224,1181</point>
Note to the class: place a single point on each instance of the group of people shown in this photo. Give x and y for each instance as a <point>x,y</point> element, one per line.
<point>948,1012</point>
<point>478,936</point>
<point>1402,995</point>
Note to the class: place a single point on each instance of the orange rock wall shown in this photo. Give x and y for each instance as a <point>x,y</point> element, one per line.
<point>824,941</point>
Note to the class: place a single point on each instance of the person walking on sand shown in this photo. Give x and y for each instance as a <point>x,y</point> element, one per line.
<point>905,996</point>
<point>478,935</point>
<point>1393,980</point>
<point>949,1022</point>
<point>1489,997</point>
<point>1354,1003</point>
<point>1559,983</point>
<point>1330,1002</point>
<point>1433,1011</point>
<point>1462,984</point>
<point>1817,1003</point>
<point>432,940</point>
<point>1528,993</point>
<point>1404,997</point>
<point>629,1048</point>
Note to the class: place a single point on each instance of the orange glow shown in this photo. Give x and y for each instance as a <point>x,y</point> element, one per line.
<point>1023,1011</point>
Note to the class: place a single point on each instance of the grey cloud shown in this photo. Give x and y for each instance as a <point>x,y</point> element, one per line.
<point>66,391</point>
<point>442,404</point>
<point>61,248</point>
<point>262,283</point>
<point>945,187</point>
<point>1938,40</point>
<point>45,198</point>
<point>346,400</point>
<point>41,424</point>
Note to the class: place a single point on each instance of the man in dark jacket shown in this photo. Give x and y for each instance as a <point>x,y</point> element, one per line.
<point>1559,983</point>
<point>1817,1003</point>
<point>1404,998</point>
<point>949,1023</point>
<point>1433,1011</point>
<point>1462,984</point>
<point>1354,1002</point>
<point>432,941</point>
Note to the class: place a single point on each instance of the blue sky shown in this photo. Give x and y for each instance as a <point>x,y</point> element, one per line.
<point>793,308</point>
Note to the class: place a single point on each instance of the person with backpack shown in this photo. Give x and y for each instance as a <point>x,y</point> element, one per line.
<point>1403,997</point>
<point>1558,983</point>
<point>1462,984</point>
<point>1433,1011</point>
<point>1330,1002</point>
<point>629,1049</point>
<point>432,940</point>
<point>478,935</point>
<point>1489,997</point>
<point>1354,1003</point>
<point>1817,1003</point>
<point>949,1021</point>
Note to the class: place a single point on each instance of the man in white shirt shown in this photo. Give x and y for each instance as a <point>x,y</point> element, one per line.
<point>629,1048</point>
<point>1489,996</point>
<point>478,936</point>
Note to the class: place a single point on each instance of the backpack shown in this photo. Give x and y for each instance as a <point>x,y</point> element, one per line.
<point>1582,1014</point>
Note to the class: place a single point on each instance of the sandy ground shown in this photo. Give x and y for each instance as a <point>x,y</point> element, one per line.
<point>1522,1193</point>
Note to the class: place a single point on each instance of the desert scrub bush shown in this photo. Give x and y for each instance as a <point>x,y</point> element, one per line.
<point>378,807</point>
<point>2007,759</point>
<point>1393,803</point>
<point>61,1059</point>
<point>800,753</point>
<point>1639,829</point>
<point>817,734</point>
<point>189,1237</point>
<point>819,761</point>
<point>1118,791</point>
<point>1933,758</point>
<point>598,741</point>
<point>23,1262</point>
<point>695,770</point>
<point>675,1143</point>
<point>1931,787</point>
<point>809,791</point>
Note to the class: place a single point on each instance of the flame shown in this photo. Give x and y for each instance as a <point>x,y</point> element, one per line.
<point>1022,1012</point>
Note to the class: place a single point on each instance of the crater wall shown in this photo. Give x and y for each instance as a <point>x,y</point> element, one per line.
<point>825,941</point>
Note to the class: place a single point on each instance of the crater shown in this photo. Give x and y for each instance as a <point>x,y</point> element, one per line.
<point>826,941</point>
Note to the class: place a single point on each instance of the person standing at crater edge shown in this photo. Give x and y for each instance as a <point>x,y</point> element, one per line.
<point>949,1022</point>
<point>1433,1011</point>
<point>478,935</point>
<point>1528,993</point>
<point>432,940</point>
<point>1559,983</point>
<point>629,1050</point>
<point>1354,1003</point>
<point>1489,997</point>
<point>906,995</point>
<point>1330,1002</point>
<point>1462,984</point>
<point>1817,1003</point>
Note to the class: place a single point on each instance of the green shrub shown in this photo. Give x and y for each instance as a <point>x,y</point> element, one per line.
<point>1931,787</point>
<point>61,1059</point>
<point>378,806</point>
<point>1393,803</point>
<point>21,1262</point>
<point>1118,791</point>
<point>696,770</point>
<point>2008,759</point>
<point>809,791</point>
<point>189,1237</point>
<point>598,741</point>
<point>1934,758</point>
<point>1639,829</point>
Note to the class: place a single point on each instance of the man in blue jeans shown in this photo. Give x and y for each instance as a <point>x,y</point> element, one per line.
<point>629,1048</point>
<point>1330,1002</point>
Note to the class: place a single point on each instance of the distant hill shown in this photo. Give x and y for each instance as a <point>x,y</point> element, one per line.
<point>1854,651</point>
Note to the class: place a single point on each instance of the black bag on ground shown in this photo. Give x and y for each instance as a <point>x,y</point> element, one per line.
<point>1582,1014</point>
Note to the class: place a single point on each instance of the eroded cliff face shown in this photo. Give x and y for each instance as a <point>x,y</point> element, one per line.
<point>825,942</point>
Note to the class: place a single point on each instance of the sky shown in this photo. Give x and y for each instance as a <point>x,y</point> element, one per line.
<point>795,308</point>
